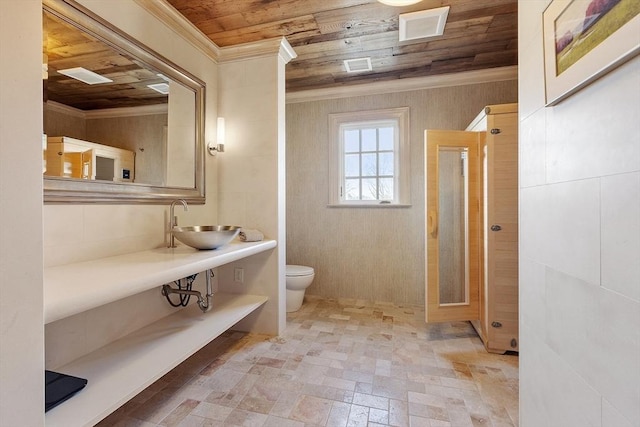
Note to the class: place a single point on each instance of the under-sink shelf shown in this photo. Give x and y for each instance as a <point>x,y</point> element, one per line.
<point>73,288</point>
<point>120,370</point>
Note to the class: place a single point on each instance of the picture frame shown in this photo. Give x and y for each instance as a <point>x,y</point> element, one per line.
<point>584,40</point>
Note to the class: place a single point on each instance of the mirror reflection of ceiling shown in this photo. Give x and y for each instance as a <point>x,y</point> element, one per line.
<point>67,47</point>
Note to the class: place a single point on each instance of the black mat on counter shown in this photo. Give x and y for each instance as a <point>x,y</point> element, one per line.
<point>60,387</point>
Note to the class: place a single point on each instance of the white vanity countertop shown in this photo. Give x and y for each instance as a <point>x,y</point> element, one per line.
<point>73,288</point>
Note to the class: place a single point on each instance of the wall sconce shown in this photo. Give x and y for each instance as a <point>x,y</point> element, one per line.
<point>219,147</point>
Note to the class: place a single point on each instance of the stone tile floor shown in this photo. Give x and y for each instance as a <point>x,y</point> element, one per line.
<point>338,363</point>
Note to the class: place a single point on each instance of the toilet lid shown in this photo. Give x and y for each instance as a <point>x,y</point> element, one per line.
<point>299,270</point>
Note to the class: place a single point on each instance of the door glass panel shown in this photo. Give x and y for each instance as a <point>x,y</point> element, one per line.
<point>453,248</point>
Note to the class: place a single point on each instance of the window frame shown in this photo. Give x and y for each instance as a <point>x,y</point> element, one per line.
<point>340,121</point>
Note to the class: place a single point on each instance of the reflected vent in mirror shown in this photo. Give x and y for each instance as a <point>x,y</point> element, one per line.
<point>162,88</point>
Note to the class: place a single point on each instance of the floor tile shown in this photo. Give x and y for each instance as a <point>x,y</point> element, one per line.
<point>338,363</point>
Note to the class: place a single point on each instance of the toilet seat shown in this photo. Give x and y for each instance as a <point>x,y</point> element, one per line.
<point>298,270</point>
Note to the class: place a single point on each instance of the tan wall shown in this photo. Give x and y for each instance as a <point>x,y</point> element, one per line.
<point>141,134</point>
<point>59,124</point>
<point>368,253</point>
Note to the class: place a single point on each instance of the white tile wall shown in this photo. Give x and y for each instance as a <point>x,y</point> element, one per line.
<point>612,418</point>
<point>590,135</point>
<point>596,331</point>
<point>560,227</point>
<point>579,246</point>
<point>621,234</point>
<point>532,146</point>
<point>533,298</point>
<point>554,395</point>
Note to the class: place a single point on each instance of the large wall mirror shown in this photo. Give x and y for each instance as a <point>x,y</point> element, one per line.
<point>122,124</point>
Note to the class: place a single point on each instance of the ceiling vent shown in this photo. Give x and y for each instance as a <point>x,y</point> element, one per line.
<point>357,65</point>
<point>85,76</point>
<point>423,24</point>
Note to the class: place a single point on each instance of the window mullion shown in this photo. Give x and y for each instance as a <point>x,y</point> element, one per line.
<point>377,163</point>
<point>360,189</point>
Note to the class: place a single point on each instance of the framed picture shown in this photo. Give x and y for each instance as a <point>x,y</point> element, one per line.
<point>585,39</point>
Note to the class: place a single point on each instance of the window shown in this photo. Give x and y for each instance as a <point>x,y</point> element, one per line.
<point>369,158</point>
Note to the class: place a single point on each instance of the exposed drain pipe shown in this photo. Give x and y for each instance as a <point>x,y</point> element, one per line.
<point>204,304</point>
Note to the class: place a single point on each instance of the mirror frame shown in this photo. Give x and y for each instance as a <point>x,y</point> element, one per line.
<point>65,190</point>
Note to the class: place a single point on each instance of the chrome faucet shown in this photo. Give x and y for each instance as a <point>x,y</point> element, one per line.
<point>173,220</point>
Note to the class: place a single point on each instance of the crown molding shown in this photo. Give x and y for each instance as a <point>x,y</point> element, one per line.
<point>405,85</point>
<point>107,113</point>
<point>287,53</point>
<point>261,48</point>
<point>56,107</point>
<point>173,19</point>
<point>143,110</point>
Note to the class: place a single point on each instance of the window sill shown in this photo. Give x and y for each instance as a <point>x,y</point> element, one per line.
<point>370,205</point>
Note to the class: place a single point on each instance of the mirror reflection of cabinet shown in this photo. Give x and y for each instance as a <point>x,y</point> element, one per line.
<point>482,248</point>
<point>75,158</point>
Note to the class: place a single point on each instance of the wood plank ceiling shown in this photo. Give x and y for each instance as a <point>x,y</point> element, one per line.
<point>479,34</point>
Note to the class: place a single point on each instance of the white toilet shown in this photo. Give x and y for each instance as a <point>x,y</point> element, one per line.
<point>299,277</point>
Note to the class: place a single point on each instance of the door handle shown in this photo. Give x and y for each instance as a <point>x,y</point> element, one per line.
<point>496,227</point>
<point>432,223</point>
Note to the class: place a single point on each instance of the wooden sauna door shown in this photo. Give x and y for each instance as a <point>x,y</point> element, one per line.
<point>452,225</point>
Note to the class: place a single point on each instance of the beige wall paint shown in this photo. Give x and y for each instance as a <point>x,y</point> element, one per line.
<point>250,176</point>
<point>579,244</point>
<point>368,253</point>
<point>21,294</point>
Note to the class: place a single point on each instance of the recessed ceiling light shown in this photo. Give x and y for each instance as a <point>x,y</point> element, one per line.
<point>163,88</point>
<point>357,65</point>
<point>422,24</point>
<point>85,76</point>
